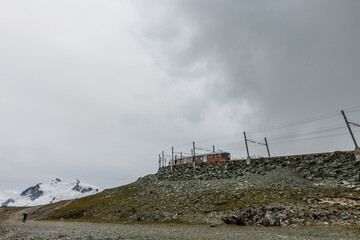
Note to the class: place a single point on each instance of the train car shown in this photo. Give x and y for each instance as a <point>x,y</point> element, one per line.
<point>208,157</point>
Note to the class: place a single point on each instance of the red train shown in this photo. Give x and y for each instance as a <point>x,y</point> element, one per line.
<point>208,157</point>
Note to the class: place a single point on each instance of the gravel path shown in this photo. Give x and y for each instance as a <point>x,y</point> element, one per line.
<point>75,230</point>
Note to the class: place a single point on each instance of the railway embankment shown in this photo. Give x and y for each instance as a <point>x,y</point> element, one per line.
<point>335,168</point>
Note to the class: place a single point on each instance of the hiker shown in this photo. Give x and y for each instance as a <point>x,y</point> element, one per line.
<point>24,218</point>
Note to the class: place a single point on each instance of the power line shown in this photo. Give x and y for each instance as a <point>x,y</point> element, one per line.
<point>289,124</point>
<point>306,120</point>
<point>312,138</point>
<point>310,132</point>
<point>278,138</point>
<point>299,122</point>
<point>354,110</point>
<point>284,125</point>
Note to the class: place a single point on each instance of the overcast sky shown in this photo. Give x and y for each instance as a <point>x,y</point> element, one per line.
<point>95,90</point>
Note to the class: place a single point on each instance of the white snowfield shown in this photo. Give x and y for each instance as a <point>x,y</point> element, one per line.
<point>53,191</point>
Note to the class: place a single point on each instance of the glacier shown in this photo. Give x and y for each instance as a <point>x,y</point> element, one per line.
<point>45,193</point>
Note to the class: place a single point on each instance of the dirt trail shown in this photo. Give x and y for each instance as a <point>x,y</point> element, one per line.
<point>75,230</point>
<point>13,228</point>
<point>16,214</point>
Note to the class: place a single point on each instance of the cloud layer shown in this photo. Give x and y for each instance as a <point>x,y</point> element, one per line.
<point>96,90</point>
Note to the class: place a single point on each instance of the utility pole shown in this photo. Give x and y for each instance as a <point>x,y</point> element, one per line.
<point>159,161</point>
<point>267,146</point>
<point>213,148</point>
<point>194,153</point>
<point>247,150</point>
<point>172,155</point>
<point>163,160</point>
<point>351,133</point>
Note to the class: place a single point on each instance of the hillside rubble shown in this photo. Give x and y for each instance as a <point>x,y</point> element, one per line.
<point>282,215</point>
<point>337,168</point>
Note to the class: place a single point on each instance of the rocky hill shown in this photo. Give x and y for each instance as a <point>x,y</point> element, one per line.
<point>314,189</point>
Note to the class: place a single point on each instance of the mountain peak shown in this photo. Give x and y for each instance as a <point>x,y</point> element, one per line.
<point>44,193</point>
<point>33,192</point>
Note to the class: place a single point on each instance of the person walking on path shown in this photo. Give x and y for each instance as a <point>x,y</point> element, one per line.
<point>25,216</point>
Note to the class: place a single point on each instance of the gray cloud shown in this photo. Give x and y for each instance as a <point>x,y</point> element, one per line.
<point>285,60</point>
<point>95,90</point>
<point>268,51</point>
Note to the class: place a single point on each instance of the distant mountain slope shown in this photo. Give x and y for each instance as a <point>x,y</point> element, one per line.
<point>45,193</point>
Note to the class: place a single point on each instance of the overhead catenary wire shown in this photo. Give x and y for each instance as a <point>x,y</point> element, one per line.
<point>289,138</point>
<point>291,141</point>
<point>306,120</point>
<point>295,138</point>
<point>296,134</point>
<point>325,116</point>
<point>284,138</point>
<point>353,110</point>
<point>309,132</point>
<point>311,138</point>
<point>275,127</point>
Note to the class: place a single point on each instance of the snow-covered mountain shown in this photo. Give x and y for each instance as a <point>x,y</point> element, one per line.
<point>45,193</point>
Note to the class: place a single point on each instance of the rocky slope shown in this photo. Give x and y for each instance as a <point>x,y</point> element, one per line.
<point>294,201</point>
<point>267,194</point>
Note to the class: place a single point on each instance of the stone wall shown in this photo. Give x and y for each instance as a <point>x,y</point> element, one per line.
<point>339,166</point>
